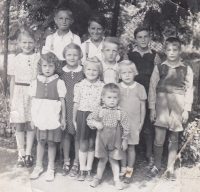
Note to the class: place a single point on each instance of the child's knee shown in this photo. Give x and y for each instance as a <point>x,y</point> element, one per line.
<point>51,143</point>
<point>103,160</point>
<point>131,148</point>
<point>83,146</point>
<point>91,145</point>
<point>41,142</point>
<point>20,127</point>
<point>173,137</point>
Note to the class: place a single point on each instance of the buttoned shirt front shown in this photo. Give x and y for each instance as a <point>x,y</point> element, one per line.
<point>56,43</point>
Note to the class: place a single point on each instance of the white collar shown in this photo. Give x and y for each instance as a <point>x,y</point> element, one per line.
<point>78,69</point>
<point>70,34</point>
<point>109,67</point>
<point>44,79</point>
<point>180,63</point>
<point>89,41</point>
<point>130,87</point>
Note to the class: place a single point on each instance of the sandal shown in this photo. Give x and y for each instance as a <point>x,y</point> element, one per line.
<point>95,182</point>
<point>66,169</point>
<point>74,171</point>
<point>21,162</point>
<point>89,177</point>
<point>50,175</point>
<point>81,176</point>
<point>119,185</point>
<point>28,161</point>
<point>36,172</point>
<point>153,172</point>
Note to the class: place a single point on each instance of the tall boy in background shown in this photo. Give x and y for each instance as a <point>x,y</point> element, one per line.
<point>145,59</point>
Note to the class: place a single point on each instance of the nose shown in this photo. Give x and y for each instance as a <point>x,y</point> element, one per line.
<point>127,74</point>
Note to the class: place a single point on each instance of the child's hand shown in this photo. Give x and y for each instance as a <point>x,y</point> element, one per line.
<point>32,125</point>
<point>185,116</point>
<point>98,125</point>
<point>124,144</point>
<point>152,115</point>
<point>63,124</point>
<point>75,125</point>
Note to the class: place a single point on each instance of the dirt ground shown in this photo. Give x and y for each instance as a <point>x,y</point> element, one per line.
<point>17,179</point>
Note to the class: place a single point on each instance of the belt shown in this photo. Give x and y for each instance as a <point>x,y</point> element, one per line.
<point>22,84</point>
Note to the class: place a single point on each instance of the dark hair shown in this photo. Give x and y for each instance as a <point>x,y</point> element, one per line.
<point>98,18</point>
<point>172,40</point>
<point>50,58</point>
<point>26,32</point>
<point>110,87</point>
<point>56,11</point>
<point>114,40</point>
<point>139,29</point>
<point>73,46</point>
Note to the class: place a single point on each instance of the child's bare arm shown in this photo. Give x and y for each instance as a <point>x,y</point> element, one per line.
<point>63,113</point>
<point>75,109</point>
<point>143,113</point>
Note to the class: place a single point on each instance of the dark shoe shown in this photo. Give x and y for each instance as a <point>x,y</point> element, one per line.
<point>122,177</point>
<point>21,162</point>
<point>171,176</point>
<point>74,171</point>
<point>81,176</point>
<point>88,176</point>
<point>66,169</point>
<point>150,162</point>
<point>29,161</point>
<point>128,180</point>
<point>95,182</point>
<point>153,172</point>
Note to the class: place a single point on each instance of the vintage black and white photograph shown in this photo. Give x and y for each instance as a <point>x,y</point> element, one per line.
<point>99,95</point>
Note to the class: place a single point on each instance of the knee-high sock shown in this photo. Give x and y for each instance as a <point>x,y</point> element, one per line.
<point>149,144</point>
<point>29,141</point>
<point>20,143</point>
<point>82,160</point>
<point>90,159</point>
<point>173,148</point>
<point>158,150</point>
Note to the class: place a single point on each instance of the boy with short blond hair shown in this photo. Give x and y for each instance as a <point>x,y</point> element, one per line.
<point>56,42</point>
<point>170,100</point>
<point>110,52</point>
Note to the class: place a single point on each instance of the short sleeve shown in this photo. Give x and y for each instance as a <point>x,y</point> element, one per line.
<point>77,94</point>
<point>61,88</point>
<point>12,66</point>
<point>142,95</point>
<point>32,89</point>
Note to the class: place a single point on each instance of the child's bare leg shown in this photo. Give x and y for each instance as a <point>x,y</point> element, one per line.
<point>51,154</point>
<point>131,155</point>
<point>173,148</point>
<point>66,148</point>
<point>123,164</point>
<point>160,134</point>
<point>20,138</point>
<point>29,138</point>
<point>115,168</point>
<point>101,167</point>
<point>77,146</point>
<point>40,153</point>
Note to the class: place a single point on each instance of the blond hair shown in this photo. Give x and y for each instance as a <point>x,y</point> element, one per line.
<point>130,64</point>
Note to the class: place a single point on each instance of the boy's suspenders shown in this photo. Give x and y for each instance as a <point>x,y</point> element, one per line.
<point>87,49</point>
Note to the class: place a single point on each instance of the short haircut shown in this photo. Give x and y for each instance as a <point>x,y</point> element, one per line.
<point>98,18</point>
<point>73,46</point>
<point>130,64</point>
<point>26,32</point>
<point>114,40</point>
<point>94,61</point>
<point>174,41</point>
<point>110,87</point>
<point>69,12</point>
<point>50,58</point>
<point>139,29</point>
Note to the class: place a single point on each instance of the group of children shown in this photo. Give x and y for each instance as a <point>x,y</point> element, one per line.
<point>81,91</point>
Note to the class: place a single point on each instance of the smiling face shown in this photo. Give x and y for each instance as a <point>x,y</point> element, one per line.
<point>110,52</point>
<point>142,38</point>
<point>72,57</point>
<point>96,31</point>
<point>110,99</point>
<point>173,52</point>
<point>91,72</point>
<point>48,69</point>
<point>127,75</point>
<point>63,20</point>
<point>27,44</point>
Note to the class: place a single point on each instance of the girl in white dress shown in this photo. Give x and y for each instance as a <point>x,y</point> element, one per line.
<point>23,70</point>
<point>48,112</point>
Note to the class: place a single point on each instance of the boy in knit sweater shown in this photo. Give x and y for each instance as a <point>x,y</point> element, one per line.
<point>145,59</point>
<point>170,100</point>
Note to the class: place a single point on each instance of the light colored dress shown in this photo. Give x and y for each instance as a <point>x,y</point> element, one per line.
<point>24,68</point>
<point>130,103</point>
<point>46,106</point>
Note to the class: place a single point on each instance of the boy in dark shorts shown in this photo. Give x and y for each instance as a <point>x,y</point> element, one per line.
<point>145,59</point>
<point>170,100</point>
